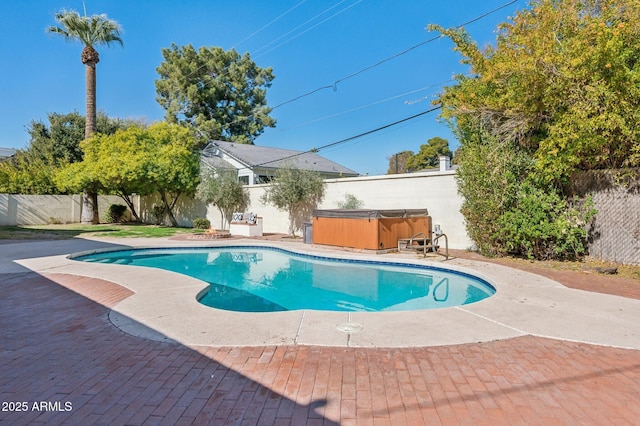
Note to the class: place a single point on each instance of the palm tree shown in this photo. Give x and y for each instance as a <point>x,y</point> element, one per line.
<point>91,31</point>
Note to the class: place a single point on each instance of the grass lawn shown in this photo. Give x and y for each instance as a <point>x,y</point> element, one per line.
<point>59,232</point>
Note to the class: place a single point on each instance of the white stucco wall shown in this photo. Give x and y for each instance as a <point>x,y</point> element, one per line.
<point>43,209</point>
<point>435,191</point>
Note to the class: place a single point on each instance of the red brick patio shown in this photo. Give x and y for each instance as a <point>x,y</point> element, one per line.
<point>59,347</point>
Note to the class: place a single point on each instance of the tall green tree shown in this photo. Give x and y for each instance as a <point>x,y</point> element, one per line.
<point>52,144</point>
<point>398,162</point>
<point>24,174</point>
<point>429,154</point>
<point>90,31</point>
<point>220,93</point>
<point>562,81</point>
<point>558,92</point>
<point>297,192</point>
<point>120,162</point>
<point>222,189</point>
<point>161,158</point>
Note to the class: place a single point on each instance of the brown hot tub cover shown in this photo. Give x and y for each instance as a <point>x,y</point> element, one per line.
<point>370,214</point>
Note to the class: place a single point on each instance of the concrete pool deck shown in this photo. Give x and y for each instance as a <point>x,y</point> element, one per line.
<point>60,347</point>
<point>163,305</point>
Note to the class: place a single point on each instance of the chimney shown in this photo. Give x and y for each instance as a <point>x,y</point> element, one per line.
<point>444,163</point>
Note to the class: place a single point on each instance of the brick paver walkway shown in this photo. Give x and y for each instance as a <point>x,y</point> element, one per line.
<point>58,347</point>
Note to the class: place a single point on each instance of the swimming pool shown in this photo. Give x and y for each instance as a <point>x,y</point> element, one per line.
<point>267,279</point>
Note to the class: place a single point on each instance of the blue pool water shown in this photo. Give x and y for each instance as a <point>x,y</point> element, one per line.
<point>263,279</point>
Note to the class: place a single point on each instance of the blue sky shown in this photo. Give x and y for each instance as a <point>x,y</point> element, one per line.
<point>309,44</point>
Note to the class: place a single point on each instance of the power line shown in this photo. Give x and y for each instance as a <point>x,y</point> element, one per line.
<point>299,26</point>
<point>334,85</point>
<point>308,29</point>
<point>368,105</point>
<point>227,71</point>
<point>268,24</point>
<point>360,135</point>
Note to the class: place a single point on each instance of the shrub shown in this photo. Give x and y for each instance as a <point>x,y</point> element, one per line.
<point>222,189</point>
<point>543,225</point>
<point>489,176</point>
<point>296,191</point>
<point>201,223</point>
<point>350,202</point>
<point>158,213</point>
<point>115,213</point>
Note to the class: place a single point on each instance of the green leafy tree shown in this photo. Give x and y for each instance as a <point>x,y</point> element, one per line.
<point>120,163</point>
<point>90,31</point>
<point>23,174</point>
<point>139,160</point>
<point>557,93</point>
<point>297,192</point>
<point>220,93</point>
<point>562,82</point>
<point>60,138</point>
<point>398,162</point>
<point>428,156</point>
<point>52,144</point>
<point>222,189</point>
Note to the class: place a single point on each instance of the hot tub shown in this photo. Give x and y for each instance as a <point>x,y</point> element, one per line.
<point>368,229</point>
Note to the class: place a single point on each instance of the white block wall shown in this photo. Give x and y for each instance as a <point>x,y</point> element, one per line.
<point>435,191</point>
<point>43,209</point>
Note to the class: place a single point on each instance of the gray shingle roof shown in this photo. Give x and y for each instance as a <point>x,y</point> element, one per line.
<point>273,158</point>
<point>6,152</point>
<point>217,162</point>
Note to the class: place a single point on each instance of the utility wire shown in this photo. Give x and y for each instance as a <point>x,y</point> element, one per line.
<point>334,86</point>
<point>268,24</point>
<point>360,135</point>
<point>369,105</point>
<point>308,29</point>
<point>299,26</point>
<point>227,71</point>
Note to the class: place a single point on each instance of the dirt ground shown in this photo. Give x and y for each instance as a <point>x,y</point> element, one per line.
<point>585,279</point>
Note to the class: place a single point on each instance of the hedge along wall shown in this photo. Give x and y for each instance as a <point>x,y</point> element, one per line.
<point>615,232</point>
<point>436,191</point>
<point>43,209</point>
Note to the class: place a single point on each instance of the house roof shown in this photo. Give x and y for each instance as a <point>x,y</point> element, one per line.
<point>217,162</point>
<point>254,156</point>
<point>6,152</point>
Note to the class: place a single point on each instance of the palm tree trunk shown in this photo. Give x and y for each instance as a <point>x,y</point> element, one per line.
<point>90,197</point>
<point>89,208</point>
<point>90,120</point>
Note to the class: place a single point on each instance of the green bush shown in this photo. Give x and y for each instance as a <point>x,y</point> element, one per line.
<point>542,225</point>
<point>350,202</point>
<point>115,213</point>
<point>201,223</point>
<point>158,213</point>
<point>488,178</point>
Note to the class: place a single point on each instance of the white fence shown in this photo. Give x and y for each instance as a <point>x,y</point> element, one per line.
<point>436,191</point>
<point>42,209</point>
